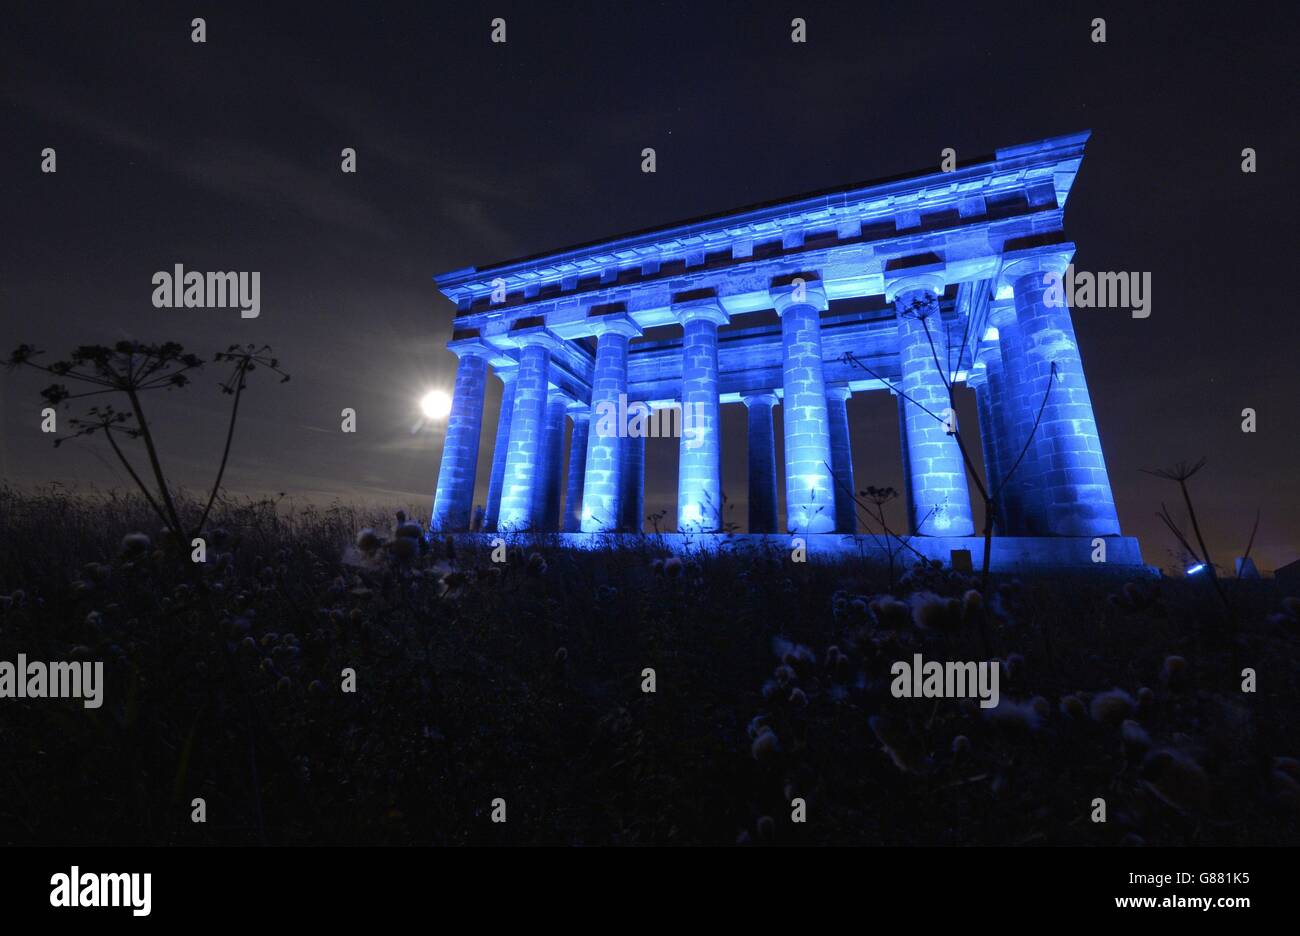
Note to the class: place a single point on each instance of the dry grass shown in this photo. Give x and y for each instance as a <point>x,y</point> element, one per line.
<point>522,681</point>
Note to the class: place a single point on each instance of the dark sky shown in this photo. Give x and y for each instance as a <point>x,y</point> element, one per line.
<point>225,156</point>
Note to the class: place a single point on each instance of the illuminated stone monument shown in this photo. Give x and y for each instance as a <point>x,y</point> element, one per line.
<point>874,285</point>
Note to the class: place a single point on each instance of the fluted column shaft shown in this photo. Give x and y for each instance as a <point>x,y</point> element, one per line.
<point>906,459</point>
<point>499,450</point>
<point>1074,496</point>
<point>577,470</point>
<point>809,487</point>
<point>938,497</point>
<point>547,506</point>
<point>1021,501</point>
<point>454,496</point>
<point>846,515</point>
<point>524,460</point>
<point>989,401</point>
<point>699,474</point>
<point>602,495</point>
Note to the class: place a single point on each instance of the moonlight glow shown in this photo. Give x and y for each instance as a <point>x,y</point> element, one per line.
<point>435,404</point>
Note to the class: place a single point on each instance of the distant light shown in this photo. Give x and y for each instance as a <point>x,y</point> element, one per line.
<point>436,404</point>
<point>991,333</point>
<point>1196,568</point>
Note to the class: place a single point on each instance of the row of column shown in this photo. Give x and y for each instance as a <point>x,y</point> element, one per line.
<point>1042,451</point>
<point>1052,479</point>
<point>1059,487</point>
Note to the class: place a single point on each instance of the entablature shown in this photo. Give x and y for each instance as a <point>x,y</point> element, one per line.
<point>966,215</point>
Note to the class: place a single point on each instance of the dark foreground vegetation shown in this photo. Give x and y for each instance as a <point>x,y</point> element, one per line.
<point>523,681</point>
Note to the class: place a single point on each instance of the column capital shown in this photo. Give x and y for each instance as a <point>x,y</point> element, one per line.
<point>506,374</point>
<point>534,335</point>
<point>472,346</point>
<point>1002,314</point>
<point>767,398</point>
<point>612,323</point>
<point>989,345</point>
<point>838,392</point>
<point>900,284</point>
<point>916,304</point>
<point>1043,260</point>
<point>989,350</point>
<point>709,310</point>
<point>802,289</point>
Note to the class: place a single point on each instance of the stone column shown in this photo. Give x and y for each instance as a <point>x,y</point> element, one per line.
<point>762,463</point>
<point>454,497</point>
<point>902,448</point>
<point>602,494</point>
<point>1073,486</point>
<point>846,514</point>
<point>547,505</point>
<point>938,499</point>
<point>986,381</point>
<point>577,469</point>
<point>699,476</point>
<point>524,460</point>
<point>633,506</point>
<point>1019,498</point>
<point>809,488</point>
<point>499,449</point>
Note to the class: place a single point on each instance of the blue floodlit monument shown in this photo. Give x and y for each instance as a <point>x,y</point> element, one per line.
<point>895,272</point>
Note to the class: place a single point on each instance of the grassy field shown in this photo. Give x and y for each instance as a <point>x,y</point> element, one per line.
<point>523,681</point>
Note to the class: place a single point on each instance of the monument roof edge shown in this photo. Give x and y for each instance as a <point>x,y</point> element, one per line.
<point>1048,145</point>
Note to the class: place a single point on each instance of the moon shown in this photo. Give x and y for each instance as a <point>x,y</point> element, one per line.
<point>435,404</point>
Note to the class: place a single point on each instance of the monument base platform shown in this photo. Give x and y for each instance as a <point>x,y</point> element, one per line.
<point>1008,554</point>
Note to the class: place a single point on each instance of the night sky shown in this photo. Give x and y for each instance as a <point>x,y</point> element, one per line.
<point>225,156</point>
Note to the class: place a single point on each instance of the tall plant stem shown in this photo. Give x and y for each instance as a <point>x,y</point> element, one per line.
<point>225,452</point>
<point>156,464</point>
<point>121,456</point>
<point>1205,552</point>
